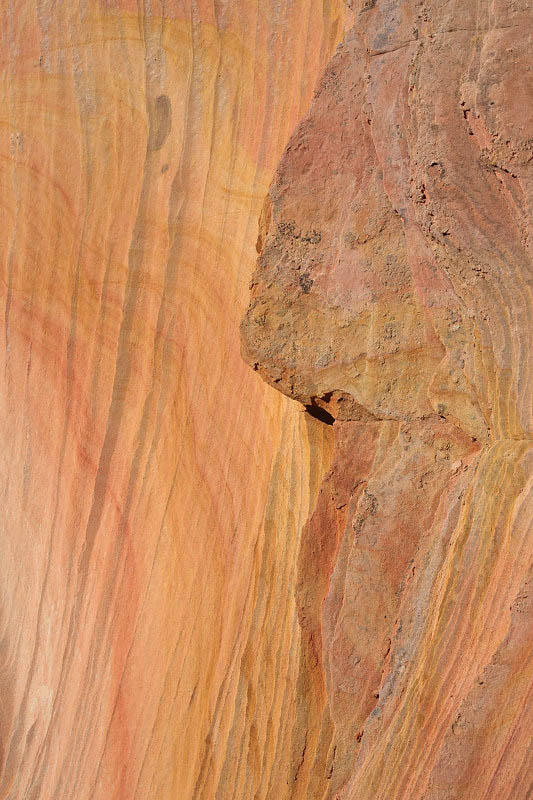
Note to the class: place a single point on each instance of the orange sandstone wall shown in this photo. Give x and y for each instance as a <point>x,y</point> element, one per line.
<point>392,296</point>
<point>153,488</point>
<point>206,593</point>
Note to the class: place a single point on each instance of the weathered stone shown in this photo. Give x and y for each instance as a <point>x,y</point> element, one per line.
<point>392,297</point>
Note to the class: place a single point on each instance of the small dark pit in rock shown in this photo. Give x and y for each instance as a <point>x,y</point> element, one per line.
<point>320,413</point>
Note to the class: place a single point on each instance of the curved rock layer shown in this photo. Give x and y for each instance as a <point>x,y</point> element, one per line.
<point>153,489</point>
<point>393,297</point>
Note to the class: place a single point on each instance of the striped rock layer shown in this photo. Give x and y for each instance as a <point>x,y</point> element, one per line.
<point>153,489</point>
<point>393,298</point>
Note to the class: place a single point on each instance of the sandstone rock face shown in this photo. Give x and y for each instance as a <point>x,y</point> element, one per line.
<point>393,298</point>
<point>153,489</point>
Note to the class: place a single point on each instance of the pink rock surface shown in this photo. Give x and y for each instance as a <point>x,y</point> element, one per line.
<point>392,297</point>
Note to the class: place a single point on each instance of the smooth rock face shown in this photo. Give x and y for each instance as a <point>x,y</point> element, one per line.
<point>153,488</point>
<point>393,298</point>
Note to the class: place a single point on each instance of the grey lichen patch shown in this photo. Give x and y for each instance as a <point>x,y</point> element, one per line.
<point>305,282</point>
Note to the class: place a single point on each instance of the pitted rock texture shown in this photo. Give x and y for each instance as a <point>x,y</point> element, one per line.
<point>393,298</point>
<point>395,258</point>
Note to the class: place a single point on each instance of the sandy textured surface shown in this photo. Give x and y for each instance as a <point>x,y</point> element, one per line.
<point>393,297</point>
<point>206,592</point>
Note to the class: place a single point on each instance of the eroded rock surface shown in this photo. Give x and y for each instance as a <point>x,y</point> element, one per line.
<point>393,295</point>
